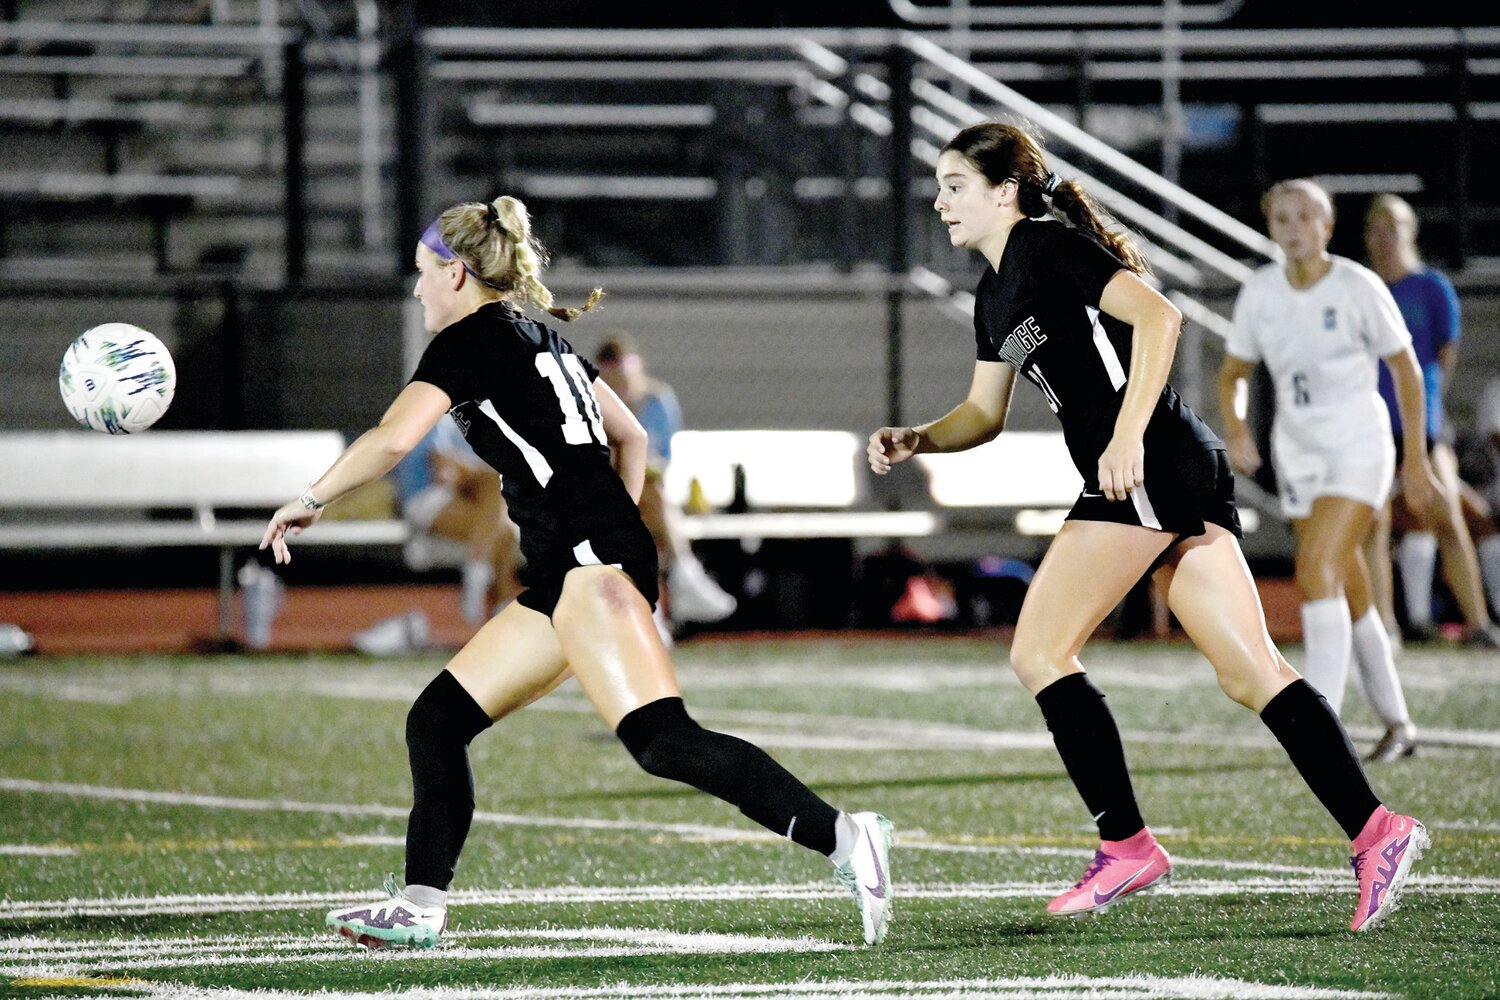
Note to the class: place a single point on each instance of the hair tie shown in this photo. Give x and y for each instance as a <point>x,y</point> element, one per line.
<point>1052,182</point>
<point>492,217</point>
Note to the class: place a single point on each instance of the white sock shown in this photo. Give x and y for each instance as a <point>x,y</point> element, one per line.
<point>426,896</point>
<point>1326,641</point>
<point>1417,556</point>
<point>477,577</point>
<point>1377,670</point>
<point>1489,568</point>
<point>845,837</point>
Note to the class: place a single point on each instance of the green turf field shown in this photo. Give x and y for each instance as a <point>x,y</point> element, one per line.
<point>177,828</point>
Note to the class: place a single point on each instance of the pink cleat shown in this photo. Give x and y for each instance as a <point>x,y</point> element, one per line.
<point>1119,868</point>
<point>1383,853</point>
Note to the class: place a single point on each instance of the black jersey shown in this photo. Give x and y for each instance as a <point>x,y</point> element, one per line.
<point>1040,313</point>
<point>524,400</point>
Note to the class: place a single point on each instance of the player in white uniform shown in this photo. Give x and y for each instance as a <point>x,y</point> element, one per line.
<point>1321,323</point>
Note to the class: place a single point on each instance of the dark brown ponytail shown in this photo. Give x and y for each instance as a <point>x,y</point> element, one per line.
<point>1005,152</point>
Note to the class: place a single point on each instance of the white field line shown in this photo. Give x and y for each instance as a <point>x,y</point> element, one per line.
<point>1484,739</point>
<point>1465,824</point>
<point>802,730</point>
<point>690,831</point>
<point>790,730</point>
<point>74,958</point>
<point>1133,987</point>
<point>686,830</point>
<point>33,946</point>
<point>1438,885</point>
<point>1073,852</point>
<point>36,850</point>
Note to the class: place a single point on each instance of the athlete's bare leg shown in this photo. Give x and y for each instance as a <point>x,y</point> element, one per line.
<point>1377,549</point>
<point>1213,595</point>
<point>1478,517</point>
<point>1087,571</point>
<point>1326,541</point>
<point>1455,544</point>
<point>512,661</point>
<point>1359,590</point>
<point>604,628</point>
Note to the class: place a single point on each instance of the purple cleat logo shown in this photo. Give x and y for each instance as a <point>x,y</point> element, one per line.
<point>1386,872</point>
<point>396,916</point>
<point>1100,898</point>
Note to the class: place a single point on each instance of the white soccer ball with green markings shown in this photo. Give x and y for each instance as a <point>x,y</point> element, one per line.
<point>117,378</point>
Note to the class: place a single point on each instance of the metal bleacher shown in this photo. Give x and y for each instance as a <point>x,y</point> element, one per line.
<point>683,147</point>
<point>755,198</point>
<point>140,147</point>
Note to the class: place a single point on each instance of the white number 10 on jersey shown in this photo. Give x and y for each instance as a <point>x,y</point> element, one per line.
<point>582,423</point>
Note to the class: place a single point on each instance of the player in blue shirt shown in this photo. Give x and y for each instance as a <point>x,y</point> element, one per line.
<point>1429,305</point>
<point>692,595</point>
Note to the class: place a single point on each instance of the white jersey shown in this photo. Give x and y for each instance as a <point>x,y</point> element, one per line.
<point>1322,346</point>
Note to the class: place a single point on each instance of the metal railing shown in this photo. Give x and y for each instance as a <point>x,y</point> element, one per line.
<point>960,13</point>
<point>846,71</point>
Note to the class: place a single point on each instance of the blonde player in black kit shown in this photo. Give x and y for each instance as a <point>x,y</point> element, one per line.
<point>537,411</point>
<point>1066,306</point>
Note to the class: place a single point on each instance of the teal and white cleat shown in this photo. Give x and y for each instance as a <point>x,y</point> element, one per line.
<point>867,874</point>
<point>397,921</point>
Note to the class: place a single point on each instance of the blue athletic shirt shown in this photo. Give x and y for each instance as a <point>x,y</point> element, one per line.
<point>1429,305</point>
<point>661,416</point>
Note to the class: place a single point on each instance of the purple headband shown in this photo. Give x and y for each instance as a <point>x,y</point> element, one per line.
<point>433,240</point>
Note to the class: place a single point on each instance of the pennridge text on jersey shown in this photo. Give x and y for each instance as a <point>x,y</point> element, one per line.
<point>1024,339</point>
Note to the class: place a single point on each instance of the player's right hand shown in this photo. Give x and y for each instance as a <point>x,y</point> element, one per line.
<point>289,520</point>
<point>1243,455</point>
<point>891,445</point>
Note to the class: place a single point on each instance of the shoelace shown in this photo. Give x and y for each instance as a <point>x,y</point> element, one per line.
<point>1095,867</point>
<point>389,885</point>
<point>1357,862</point>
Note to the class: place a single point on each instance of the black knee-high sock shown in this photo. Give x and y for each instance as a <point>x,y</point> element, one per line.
<point>666,742</point>
<point>1304,722</point>
<point>439,727</point>
<point>1089,742</point>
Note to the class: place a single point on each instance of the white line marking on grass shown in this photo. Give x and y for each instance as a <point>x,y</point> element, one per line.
<point>362,809</point>
<point>1073,852</point>
<point>37,850</point>
<point>1485,739</point>
<point>181,905</point>
<point>851,732</point>
<point>1133,987</point>
<point>801,730</point>
<point>1472,825</point>
<point>39,957</point>
<point>686,830</point>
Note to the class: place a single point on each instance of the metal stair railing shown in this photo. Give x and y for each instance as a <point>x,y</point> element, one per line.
<point>1059,127</point>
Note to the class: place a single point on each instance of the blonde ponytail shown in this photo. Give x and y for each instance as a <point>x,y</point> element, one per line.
<point>496,243</point>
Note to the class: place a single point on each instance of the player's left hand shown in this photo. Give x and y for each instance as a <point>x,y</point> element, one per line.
<point>1122,467</point>
<point>289,520</point>
<point>1422,491</point>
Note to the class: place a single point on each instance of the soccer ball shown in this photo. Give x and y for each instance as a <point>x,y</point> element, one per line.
<point>117,378</point>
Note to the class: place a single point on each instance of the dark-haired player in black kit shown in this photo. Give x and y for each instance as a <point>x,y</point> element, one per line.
<point>535,410</point>
<point>1067,308</point>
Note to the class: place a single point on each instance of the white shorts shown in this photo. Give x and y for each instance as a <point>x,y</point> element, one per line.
<point>1363,470</point>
